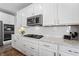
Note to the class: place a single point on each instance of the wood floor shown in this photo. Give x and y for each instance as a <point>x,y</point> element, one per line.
<point>11,52</point>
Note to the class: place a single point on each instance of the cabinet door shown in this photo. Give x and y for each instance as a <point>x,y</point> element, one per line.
<point>68,13</point>
<point>49,14</point>
<point>29,10</point>
<point>1,16</point>
<point>37,8</point>
<point>5,18</point>
<point>31,48</point>
<point>12,19</point>
<point>18,44</point>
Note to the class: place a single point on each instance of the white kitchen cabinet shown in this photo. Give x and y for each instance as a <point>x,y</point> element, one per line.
<point>48,10</point>
<point>1,16</point>
<point>37,8</point>
<point>49,14</point>
<point>47,49</point>
<point>68,13</point>
<point>71,50</point>
<point>30,50</point>
<point>6,18</point>
<point>33,9</point>
<point>46,52</point>
<point>16,43</point>
<point>31,46</point>
<point>29,11</point>
<point>21,19</point>
<point>24,46</point>
<point>11,19</point>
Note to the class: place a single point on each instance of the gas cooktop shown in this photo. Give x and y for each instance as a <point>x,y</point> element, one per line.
<point>34,36</point>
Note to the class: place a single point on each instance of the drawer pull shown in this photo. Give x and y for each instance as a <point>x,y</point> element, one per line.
<point>75,52</point>
<point>46,45</point>
<point>69,50</point>
<point>32,48</point>
<point>72,51</point>
<point>59,54</point>
<point>24,45</point>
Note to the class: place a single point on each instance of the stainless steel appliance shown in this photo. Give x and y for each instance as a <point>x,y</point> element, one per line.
<point>1,33</point>
<point>72,33</point>
<point>71,36</point>
<point>34,36</point>
<point>8,30</point>
<point>35,20</point>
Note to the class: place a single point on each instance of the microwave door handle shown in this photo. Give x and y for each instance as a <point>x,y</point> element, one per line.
<point>34,20</point>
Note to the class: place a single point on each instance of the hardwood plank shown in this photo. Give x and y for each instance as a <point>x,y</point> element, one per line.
<point>11,52</point>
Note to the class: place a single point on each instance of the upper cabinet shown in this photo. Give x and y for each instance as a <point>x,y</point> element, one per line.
<point>6,18</point>
<point>49,14</point>
<point>37,8</point>
<point>48,10</point>
<point>12,19</point>
<point>68,13</point>
<point>53,13</point>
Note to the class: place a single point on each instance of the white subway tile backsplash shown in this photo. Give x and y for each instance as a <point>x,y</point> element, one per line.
<point>58,31</point>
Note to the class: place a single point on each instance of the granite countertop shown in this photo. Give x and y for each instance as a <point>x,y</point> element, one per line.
<point>59,40</point>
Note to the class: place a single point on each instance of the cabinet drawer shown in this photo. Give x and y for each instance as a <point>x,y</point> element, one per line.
<point>30,53</point>
<point>30,50</point>
<point>48,45</point>
<point>69,49</point>
<point>31,40</point>
<point>28,44</point>
<point>45,52</point>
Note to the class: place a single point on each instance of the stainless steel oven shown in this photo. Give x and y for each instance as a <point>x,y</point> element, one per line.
<point>8,31</point>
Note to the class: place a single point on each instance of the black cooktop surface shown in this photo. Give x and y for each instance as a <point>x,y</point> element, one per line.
<point>34,36</point>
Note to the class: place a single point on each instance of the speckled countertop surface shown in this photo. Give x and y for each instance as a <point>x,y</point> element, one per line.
<point>59,40</point>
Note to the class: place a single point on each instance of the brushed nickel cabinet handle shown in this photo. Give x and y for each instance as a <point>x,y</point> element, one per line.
<point>46,45</point>
<point>32,48</point>
<point>24,45</point>
<point>69,50</point>
<point>14,41</point>
<point>76,52</point>
<point>72,51</point>
<point>59,54</point>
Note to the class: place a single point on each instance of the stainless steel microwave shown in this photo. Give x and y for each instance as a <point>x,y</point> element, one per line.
<point>36,20</point>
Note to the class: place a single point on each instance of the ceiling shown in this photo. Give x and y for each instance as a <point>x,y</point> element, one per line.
<point>12,8</point>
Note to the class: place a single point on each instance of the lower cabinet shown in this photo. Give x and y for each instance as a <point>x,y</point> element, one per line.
<point>66,50</point>
<point>47,49</point>
<point>30,49</point>
<point>33,47</point>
